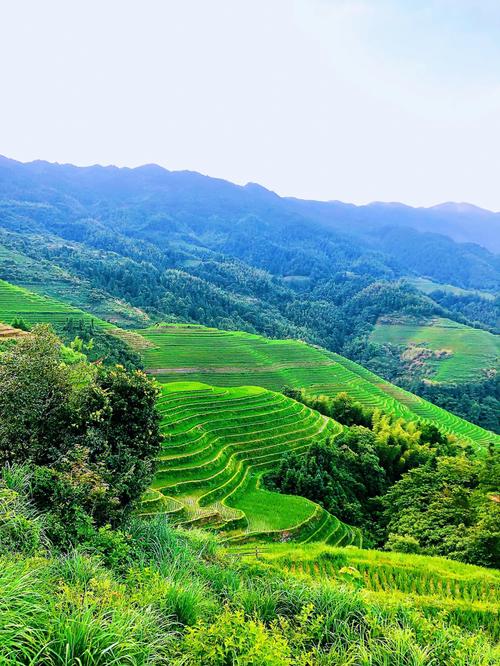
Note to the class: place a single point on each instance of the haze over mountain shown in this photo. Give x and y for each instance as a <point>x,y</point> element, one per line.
<point>463,222</point>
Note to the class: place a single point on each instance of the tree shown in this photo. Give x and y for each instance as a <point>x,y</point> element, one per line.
<point>341,475</point>
<point>444,508</point>
<point>90,433</point>
<point>130,433</point>
<point>36,395</point>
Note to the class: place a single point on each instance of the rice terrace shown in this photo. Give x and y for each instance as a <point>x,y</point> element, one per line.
<point>250,333</point>
<point>226,358</point>
<point>458,353</point>
<point>218,443</point>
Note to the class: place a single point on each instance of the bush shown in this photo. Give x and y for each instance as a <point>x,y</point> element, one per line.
<point>89,434</point>
<point>400,543</point>
<point>233,639</point>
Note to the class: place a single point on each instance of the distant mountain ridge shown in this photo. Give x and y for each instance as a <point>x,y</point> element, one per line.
<point>462,222</point>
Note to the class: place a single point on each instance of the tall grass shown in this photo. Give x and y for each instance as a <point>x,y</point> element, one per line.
<point>178,599</point>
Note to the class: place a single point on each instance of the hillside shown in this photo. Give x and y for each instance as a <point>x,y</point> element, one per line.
<point>19,303</point>
<point>138,246</point>
<point>429,287</point>
<point>47,279</point>
<point>218,443</point>
<point>97,563</point>
<point>225,358</point>
<point>222,358</point>
<point>434,585</point>
<point>442,350</point>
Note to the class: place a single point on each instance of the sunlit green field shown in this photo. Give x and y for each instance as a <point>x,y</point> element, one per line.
<point>267,511</point>
<point>17,302</point>
<point>428,286</point>
<point>222,358</point>
<point>463,353</point>
<point>218,442</point>
<point>468,595</point>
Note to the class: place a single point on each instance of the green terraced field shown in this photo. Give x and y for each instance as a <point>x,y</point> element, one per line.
<point>36,309</point>
<point>230,359</point>
<point>218,442</point>
<point>428,286</point>
<point>46,279</point>
<point>469,595</point>
<point>461,353</point>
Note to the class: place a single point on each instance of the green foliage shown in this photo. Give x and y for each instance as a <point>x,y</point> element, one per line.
<point>444,507</point>
<point>174,597</point>
<point>426,510</point>
<point>90,434</point>
<point>236,639</point>
<point>19,323</point>
<point>99,345</point>
<point>403,544</point>
<point>400,444</point>
<point>20,528</point>
<point>35,401</point>
<point>129,438</point>
<point>341,407</point>
<point>341,475</point>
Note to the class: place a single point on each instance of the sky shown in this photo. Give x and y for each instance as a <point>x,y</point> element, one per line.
<point>355,100</point>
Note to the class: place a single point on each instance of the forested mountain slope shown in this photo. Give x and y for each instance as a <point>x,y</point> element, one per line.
<point>135,246</point>
<point>107,206</point>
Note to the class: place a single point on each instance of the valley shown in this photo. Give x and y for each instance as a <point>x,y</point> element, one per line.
<point>249,333</point>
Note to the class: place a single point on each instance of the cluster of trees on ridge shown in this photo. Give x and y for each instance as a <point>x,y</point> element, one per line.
<point>408,486</point>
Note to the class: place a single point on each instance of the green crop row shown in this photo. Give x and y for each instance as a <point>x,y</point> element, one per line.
<point>232,359</point>
<point>19,303</point>
<point>469,596</point>
<point>217,444</point>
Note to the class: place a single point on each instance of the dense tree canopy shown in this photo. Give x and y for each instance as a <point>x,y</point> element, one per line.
<point>89,433</point>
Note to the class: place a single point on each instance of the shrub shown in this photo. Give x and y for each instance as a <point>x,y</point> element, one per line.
<point>403,543</point>
<point>233,639</point>
<point>89,434</point>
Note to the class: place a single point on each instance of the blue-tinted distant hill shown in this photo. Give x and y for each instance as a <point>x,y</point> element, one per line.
<point>289,236</point>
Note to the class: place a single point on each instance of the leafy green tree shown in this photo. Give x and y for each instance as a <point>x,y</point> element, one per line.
<point>341,475</point>
<point>443,507</point>
<point>36,400</point>
<point>129,437</point>
<point>402,544</point>
<point>90,433</point>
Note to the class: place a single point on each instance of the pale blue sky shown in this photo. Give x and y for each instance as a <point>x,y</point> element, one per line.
<point>357,100</point>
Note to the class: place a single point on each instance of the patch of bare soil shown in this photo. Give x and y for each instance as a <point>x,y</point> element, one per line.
<point>135,340</point>
<point>9,332</point>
